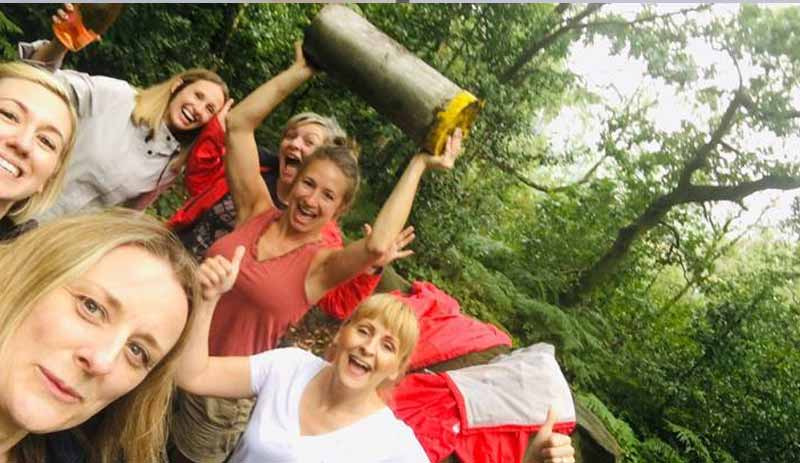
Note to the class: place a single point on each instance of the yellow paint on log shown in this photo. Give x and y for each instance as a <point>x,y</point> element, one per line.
<point>460,112</point>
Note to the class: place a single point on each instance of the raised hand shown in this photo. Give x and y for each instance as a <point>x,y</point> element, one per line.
<point>451,152</point>
<point>397,249</point>
<point>62,14</point>
<point>300,64</point>
<point>550,447</point>
<point>222,114</point>
<point>217,274</point>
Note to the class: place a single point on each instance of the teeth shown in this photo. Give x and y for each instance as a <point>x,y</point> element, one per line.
<point>360,363</point>
<point>187,114</point>
<point>8,167</point>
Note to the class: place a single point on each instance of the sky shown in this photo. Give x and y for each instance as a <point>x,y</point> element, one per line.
<point>614,76</point>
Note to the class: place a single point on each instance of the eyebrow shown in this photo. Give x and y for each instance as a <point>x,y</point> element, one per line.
<point>116,304</point>
<point>27,111</point>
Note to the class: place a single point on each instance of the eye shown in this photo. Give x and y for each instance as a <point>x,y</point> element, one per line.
<point>330,196</point>
<point>211,109</point>
<point>47,142</point>
<point>389,346</point>
<point>308,181</point>
<point>139,354</point>
<point>363,330</point>
<point>91,308</point>
<point>9,115</point>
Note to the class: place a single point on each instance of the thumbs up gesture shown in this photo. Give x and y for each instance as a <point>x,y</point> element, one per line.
<point>217,274</point>
<point>550,447</point>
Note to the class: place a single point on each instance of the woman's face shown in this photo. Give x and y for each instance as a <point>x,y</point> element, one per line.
<point>35,127</point>
<point>297,143</point>
<point>366,355</point>
<point>317,196</point>
<point>86,344</point>
<point>194,105</point>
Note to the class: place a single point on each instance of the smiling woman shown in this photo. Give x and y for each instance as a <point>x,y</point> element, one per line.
<point>37,131</point>
<point>92,318</point>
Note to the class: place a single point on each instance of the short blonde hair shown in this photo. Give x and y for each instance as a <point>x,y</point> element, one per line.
<point>133,426</point>
<point>152,102</point>
<point>396,316</point>
<point>38,202</point>
<point>332,128</point>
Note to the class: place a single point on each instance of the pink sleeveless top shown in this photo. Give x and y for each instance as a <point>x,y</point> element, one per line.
<point>267,297</point>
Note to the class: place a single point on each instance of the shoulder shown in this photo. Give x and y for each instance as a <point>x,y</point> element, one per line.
<point>401,443</point>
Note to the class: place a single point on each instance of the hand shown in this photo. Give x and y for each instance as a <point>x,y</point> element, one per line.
<point>63,14</point>
<point>300,64</point>
<point>222,114</point>
<point>550,447</point>
<point>396,251</point>
<point>452,150</point>
<point>217,274</point>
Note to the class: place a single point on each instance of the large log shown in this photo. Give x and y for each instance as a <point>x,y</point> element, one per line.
<point>413,95</point>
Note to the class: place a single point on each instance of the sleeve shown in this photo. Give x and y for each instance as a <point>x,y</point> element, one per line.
<point>205,158</point>
<point>408,448</point>
<point>342,300</point>
<point>272,365</point>
<point>27,49</point>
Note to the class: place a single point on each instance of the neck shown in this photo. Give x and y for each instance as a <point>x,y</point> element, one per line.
<point>283,190</point>
<point>10,435</point>
<point>335,397</point>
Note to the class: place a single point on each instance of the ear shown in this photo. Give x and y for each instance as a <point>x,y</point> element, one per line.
<point>175,85</point>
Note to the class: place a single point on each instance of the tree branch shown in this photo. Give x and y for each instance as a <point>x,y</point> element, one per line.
<point>736,193</point>
<point>642,20</point>
<point>546,41</point>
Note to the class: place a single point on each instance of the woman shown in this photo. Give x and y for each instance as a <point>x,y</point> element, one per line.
<point>92,319</point>
<point>37,131</point>
<point>308,409</point>
<point>128,138</point>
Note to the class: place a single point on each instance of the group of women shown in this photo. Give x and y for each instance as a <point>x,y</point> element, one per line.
<point>104,312</point>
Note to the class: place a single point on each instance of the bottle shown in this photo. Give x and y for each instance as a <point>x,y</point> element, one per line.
<point>86,23</point>
<point>414,96</point>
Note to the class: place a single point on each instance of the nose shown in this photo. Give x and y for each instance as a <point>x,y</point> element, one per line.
<point>369,346</point>
<point>97,356</point>
<point>22,142</point>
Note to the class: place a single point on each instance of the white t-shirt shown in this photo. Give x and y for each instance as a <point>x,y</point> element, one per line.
<point>279,378</point>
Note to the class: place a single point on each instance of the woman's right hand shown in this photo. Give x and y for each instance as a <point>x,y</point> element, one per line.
<point>300,64</point>
<point>63,14</point>
<point>217,274</point>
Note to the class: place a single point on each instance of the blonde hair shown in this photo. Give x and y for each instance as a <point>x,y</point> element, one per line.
<point>332,128</point>
<point>134,426</point>
<point>396,316</point>
<point>152,102</point>
<point>38,202</point>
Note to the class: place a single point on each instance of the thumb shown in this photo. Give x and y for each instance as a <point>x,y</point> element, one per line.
<point>238,254</point>
<point>547,427</point>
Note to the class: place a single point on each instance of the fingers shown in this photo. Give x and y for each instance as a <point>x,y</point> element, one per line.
<point>405,237</point>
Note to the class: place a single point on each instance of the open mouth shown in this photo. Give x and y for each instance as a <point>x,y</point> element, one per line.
<point>293,162</point>
<point>10,168</point>
<point>188,115</point>
<point>305,213</point>
<point>358,366</point>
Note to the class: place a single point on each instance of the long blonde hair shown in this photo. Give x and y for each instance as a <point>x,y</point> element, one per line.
<point>38,202</point>
<point>134,426</point>
<point>152,102</point>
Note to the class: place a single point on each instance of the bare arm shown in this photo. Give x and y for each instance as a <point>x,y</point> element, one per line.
<point>249,192</point>
<point>197,372</point>
<point>54,51</point>
<point>333,267</point>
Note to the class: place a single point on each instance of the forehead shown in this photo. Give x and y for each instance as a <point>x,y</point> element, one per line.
<point>328,175</point>
<point>40,102</point>
<point>309,129</point>
<point>152,300</point>
<point>212,90</point>
<point>380,327</point>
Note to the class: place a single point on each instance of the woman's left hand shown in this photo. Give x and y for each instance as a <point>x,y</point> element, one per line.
<point>549,446</point>
<point>397,249</point>
<point>217,274</point>
<point>300,63</point>
<point>452,150</point>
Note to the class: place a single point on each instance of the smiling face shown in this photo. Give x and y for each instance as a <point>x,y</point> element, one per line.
<point>86,344</point>
<point>194,105</point>
<point>35,128</point>
<point>297,143</point>
<point>367,354</point>
<point>316,197</point>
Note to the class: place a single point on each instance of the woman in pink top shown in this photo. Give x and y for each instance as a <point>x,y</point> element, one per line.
<point>285,268</point>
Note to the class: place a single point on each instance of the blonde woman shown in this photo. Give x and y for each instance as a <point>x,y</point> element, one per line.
<point>128,137</point>
<point>37,131</point>
<point>92,319</point>
<point>307,409</point>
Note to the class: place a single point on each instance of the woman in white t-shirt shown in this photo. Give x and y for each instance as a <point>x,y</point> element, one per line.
<point>310,410</point>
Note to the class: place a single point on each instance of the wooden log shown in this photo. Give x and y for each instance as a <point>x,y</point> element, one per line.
<point>410,93</point>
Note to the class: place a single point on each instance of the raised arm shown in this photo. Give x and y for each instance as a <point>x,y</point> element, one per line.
<point>197,372</point>
<point>249,192</point>
<point>333,267</point>
<point>53,52</point>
